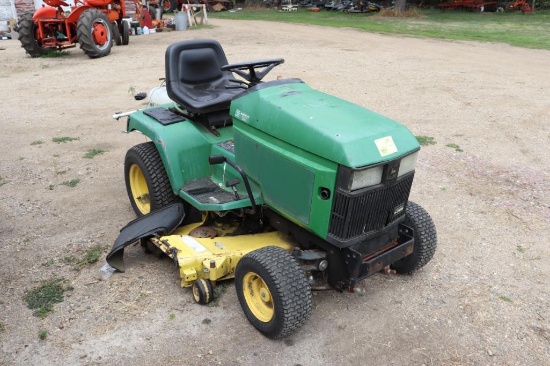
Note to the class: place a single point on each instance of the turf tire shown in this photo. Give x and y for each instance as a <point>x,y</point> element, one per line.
<point>425,239</point>
<point>85,29</point>
<point>287,284</point>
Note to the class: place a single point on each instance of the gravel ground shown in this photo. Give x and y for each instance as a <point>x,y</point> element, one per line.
<point>483,300</point>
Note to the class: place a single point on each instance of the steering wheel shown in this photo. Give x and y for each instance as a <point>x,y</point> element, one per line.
<point>249,70</point>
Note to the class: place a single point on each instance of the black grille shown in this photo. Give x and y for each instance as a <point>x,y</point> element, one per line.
<point>355,215</point>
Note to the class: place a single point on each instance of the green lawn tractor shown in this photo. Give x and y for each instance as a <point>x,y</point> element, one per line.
<point>278,186</point>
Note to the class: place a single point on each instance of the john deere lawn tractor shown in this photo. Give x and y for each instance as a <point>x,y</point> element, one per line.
<point>278,186</point>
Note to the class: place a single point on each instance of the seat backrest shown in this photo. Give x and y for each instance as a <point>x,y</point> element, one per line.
<point>194,77</point>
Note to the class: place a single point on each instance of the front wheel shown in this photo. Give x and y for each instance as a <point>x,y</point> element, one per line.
<point>94,33</point>
<point>425,239</point>
<point>147,183</point>
<point>273,291</point>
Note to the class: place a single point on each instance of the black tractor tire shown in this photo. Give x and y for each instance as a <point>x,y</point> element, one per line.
<point>125,33</point>
<point>27,31</point>
<point>273,291</point>
<point>94,33</point>
<point>425,239</point>
<point>117,38</point>
<point>147,183</point>
<point>202,291</point>
<point>150,248</point>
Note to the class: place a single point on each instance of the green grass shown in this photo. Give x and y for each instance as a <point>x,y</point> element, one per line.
<point>71,183</point>
<point>91,256</point>
<point>37,142</point>
<point>42,334</point>
<point>2,327</point>
<point>54,54</point>
<point>513,28</point>
<point>3,181</point>
<point>455,147</point>
<point>505,298</point>
<point>42,298</point>
<point>425,140</point>
<point>93,152</point>
<point>64,139</point>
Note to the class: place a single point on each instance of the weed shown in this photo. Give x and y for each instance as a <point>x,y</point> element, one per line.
<point>21,158</point>
<point>218,291</point>
<point>505,298</point>
<point>425,140</point>
<point>42,298</point>
<point>172,316</point>
<point>2,327</point>
<point>64,139</point>
<point>3,181</point>
<point>37,142</point>
<point>71,183</point>
<point>93,152</point>
<point>54,54</point>
<point>92,255</point>
<point>520,248</point>
<point>42,334</point>
<point>455,146</point>
<point>51,187</point>
<point>48,263</point>
<point>131,89</point>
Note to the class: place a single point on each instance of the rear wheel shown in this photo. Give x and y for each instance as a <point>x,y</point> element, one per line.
<point>147,183</point>
<point>273,291</point>
<point>27,36</point>
<point>94,33</point>
<point>425,239</point>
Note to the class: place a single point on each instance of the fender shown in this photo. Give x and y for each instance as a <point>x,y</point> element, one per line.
<point>45,12</point>
<point>180,145</point>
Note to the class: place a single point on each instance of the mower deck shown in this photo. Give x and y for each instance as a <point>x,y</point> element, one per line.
<point>201,254</point>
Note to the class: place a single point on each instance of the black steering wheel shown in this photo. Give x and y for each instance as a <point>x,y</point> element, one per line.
<point>249,70</point>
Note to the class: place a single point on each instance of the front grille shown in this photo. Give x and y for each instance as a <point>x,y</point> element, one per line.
<point>356,215</point>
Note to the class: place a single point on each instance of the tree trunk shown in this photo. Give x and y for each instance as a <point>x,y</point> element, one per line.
<point>399,6</point>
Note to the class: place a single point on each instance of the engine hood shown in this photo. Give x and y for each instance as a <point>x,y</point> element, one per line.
<point>322,124</point>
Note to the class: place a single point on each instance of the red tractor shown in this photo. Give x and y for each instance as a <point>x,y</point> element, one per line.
<point>95,24</point>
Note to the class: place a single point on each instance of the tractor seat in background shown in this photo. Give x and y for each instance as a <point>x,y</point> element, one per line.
<point>194,80</point>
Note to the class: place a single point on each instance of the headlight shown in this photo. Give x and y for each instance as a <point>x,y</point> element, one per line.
<point>367,178</point>
<point>407,165</point>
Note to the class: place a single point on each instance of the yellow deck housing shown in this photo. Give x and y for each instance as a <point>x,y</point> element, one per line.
<point>215,258</point>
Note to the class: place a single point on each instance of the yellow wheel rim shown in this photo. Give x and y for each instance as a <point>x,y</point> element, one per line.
<point>139,188</point>
<point>258,297</point>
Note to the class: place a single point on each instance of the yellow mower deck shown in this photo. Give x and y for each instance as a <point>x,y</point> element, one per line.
<point>213,258</point>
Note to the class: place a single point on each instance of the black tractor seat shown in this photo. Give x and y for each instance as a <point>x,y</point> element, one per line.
<point>195,81</point>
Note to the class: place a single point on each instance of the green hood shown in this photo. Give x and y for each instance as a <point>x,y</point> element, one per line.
<point>322,124</point>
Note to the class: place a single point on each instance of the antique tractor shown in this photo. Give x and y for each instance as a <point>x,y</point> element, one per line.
<point>94,24</point>
<point>278,186</point>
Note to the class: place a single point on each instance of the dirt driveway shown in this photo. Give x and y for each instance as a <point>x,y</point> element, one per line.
<point>483,300</point>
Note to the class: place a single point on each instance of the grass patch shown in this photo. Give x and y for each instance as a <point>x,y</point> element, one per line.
<point>455,147</point>
<point>520,249</point>
<point>3,181</point>
<point>42,334</point>
<point>42,298</point>
<point>218,291</point>
<point>71,183</point>
<point>37,142</point>
<point>2,327</point>
<point>425,140</point>
<point>505,298</point>
<point>93,152</point>
<point>91,256</point>
<point>514,28</point>
<point>64,139</point>
<point>54,54</point>
<point>172,316</point>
